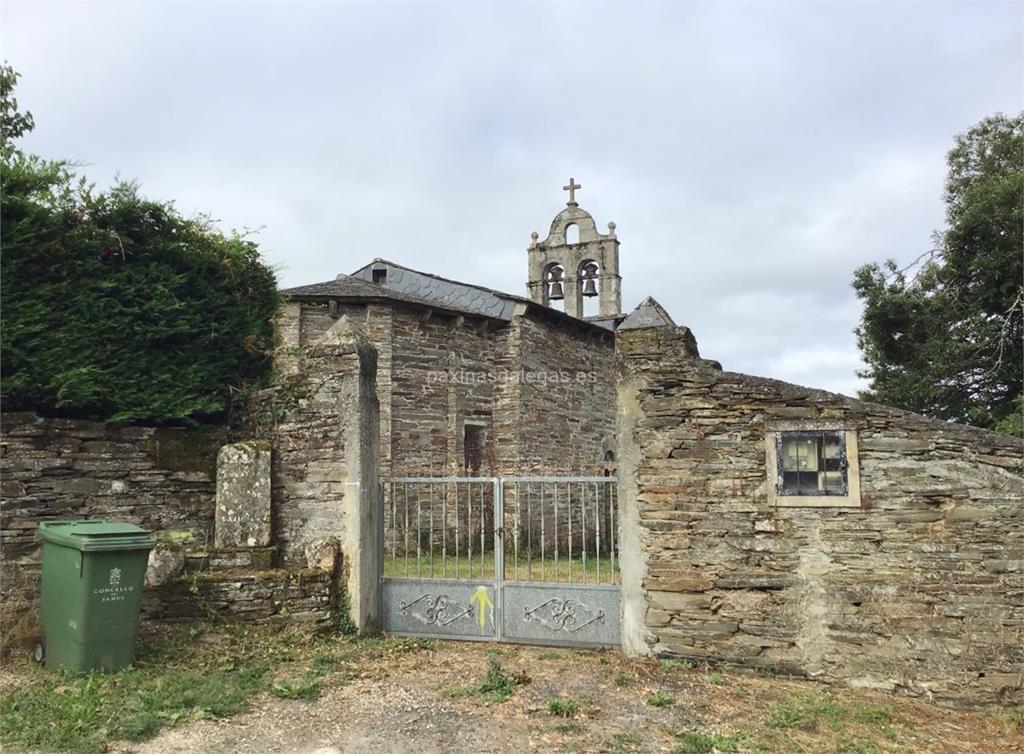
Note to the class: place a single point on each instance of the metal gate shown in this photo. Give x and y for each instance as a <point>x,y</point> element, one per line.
<point>529,559</point>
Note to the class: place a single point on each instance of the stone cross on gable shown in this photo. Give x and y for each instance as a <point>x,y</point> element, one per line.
<point>571,188</point>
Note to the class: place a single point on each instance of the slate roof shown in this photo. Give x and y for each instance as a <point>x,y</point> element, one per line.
<point>348,287</point>
<point>474,299</point>
<point>648,314</point>
<point>410,286</point>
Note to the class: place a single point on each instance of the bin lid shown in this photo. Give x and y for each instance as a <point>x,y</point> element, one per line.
<point>95,535</point>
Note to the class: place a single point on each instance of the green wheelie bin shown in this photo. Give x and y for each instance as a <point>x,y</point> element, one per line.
<point>91,593</point>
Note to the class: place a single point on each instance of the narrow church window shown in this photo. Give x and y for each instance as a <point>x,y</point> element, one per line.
<point>572,233</point>
<point>380,277</point>
<point>473,448</point>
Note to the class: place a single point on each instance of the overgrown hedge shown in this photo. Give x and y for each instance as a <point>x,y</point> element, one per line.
<point>118,308</point>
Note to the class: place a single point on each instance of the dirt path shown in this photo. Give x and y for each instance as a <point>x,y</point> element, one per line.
<point>408,705</point>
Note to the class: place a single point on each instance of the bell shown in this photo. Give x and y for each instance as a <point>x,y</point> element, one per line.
<point>556,292</point>
<point>589,289</point>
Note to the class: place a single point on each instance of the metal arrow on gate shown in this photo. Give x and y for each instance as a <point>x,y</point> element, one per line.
<point>483,602</point>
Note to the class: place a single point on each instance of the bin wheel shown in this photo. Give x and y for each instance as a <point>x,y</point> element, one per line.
<point>39,652</point>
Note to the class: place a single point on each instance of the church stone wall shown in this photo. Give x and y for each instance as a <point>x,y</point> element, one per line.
<point>441,377</point>
<point>565,399</point>
<point>543,391</point>
<point>918,590</point>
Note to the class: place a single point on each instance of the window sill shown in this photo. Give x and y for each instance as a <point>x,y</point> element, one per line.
<point>814,501</point>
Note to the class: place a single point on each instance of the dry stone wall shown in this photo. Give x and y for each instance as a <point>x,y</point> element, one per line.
<point>296,596</point>
<point>159,478</point>
<point>919,589</point>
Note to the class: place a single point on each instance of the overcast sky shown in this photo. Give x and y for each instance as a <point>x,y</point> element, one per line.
<point>752,155</point>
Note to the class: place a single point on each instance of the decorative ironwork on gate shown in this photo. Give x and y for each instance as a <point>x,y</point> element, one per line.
<point>529,559</point>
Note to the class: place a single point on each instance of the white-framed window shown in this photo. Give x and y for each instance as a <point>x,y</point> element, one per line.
<point>812,466</point>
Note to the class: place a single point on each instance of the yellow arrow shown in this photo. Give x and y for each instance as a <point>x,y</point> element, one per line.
<point>482,602</point>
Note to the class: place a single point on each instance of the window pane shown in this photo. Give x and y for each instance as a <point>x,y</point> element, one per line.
<point>812,463</point>
<point>834,483</point>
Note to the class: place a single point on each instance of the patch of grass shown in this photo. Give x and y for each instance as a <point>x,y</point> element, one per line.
<point>740,690</point>
<point>847,744</point>
<point>522,569</point>
<point>549,656</point>
<point>624,742</point>
<point>871,715</point>
<point>564,707</point>
<point>323,662</point>
<point>78,714</point>
<point>690,742</point>
<point>622,680</point>
<point>568,728</point>
<point>306,688</point>
<point>715,678</point>
<point>677,665</point>
<point>806,712</point>
<point>660,699</point>
<point>1014,719</point>
<point>495,687</point>
<point>181,673</point>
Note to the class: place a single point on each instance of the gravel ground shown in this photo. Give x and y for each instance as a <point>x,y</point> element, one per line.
<point>407,705</point>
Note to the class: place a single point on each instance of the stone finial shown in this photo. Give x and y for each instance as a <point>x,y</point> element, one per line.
<point>533,238</point>
<point>649,313</point>
<point>571,188</point>
<point>611,229</point>
<point>346,337</point>
<point>343,332</point>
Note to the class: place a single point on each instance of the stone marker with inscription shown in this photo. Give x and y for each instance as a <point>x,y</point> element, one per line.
<point>243,496</point>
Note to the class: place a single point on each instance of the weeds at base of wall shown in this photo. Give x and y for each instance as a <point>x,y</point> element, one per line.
<point>19,622</point>
<point>343,613</point>
<point>200,600</point>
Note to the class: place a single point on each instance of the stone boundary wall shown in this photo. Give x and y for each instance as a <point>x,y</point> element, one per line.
<point>918,590</point>
<point>300,596</point>
<point>158,478</point>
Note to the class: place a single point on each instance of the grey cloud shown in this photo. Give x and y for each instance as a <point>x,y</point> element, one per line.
<point>752,155</point>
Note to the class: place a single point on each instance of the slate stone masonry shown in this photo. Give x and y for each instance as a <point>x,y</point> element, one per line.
<point>158,478</point>
<point>917,590</point>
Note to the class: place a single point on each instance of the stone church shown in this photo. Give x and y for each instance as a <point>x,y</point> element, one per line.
<point>477,381</point>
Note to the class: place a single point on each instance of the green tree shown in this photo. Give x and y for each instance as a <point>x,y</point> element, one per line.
<point>943,336</point>
<point>13,123</point>
<point>116,307</point>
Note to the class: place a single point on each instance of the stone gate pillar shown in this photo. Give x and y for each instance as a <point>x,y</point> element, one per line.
<point>325,464</point>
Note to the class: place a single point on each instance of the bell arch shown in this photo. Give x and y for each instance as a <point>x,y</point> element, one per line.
<point>589,275</point>
<point>554,284</point>
<point>589,262</point>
